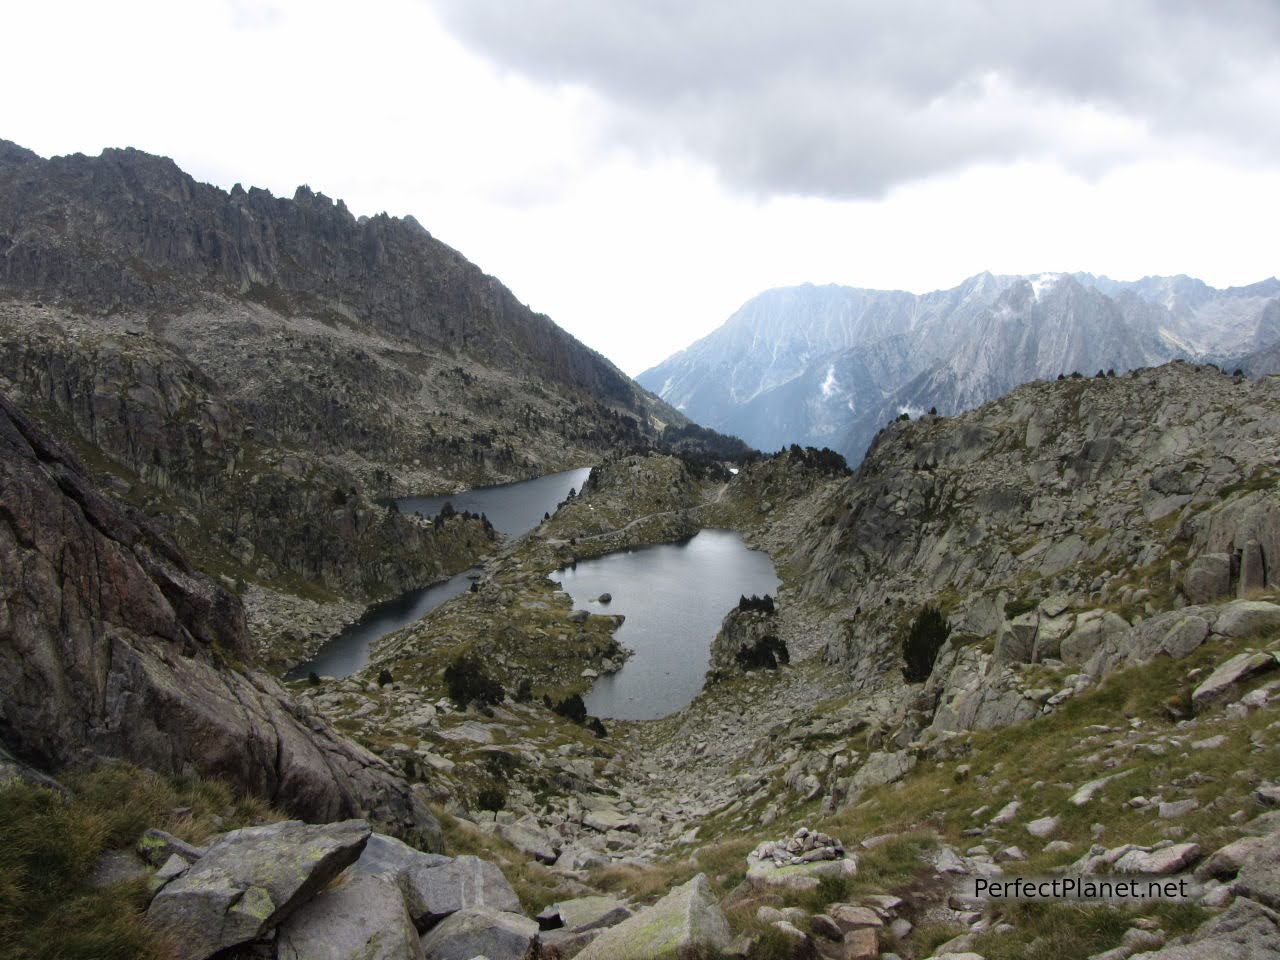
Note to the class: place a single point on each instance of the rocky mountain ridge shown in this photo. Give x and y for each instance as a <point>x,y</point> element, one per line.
<point>261,374</point>
<point>829,365</point>
<point>128,229</point>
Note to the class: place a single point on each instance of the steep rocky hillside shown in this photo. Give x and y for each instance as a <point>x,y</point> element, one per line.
<point>828,366</point>
<point>127,229</point>
<point>259,373</point>
<point>113,647</point>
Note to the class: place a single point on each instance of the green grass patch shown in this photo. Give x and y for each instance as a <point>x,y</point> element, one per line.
<point>535,885</point>
<point>1063,931</point>
<point>49,845</point>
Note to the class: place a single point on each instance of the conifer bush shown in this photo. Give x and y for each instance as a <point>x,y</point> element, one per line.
<point>929,631</point>
<point>468,683</point>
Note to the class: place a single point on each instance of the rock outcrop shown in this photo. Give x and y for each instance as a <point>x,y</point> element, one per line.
<point>747,640</point>
<point>686,922</point>
<point>250,881</point>
<point>113,646</point>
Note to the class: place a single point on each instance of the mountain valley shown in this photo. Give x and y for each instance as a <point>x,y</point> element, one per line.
<point>1035,634</point>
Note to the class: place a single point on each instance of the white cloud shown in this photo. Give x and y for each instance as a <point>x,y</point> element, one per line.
<point>847,98</point>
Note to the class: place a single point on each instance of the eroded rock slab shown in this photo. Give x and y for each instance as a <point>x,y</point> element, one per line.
<point>363,918</point>
<point>584,913</point>
<point>1227,677</point>
<point>482,931</point>
<point>685,920</point>
<point>252,879</point>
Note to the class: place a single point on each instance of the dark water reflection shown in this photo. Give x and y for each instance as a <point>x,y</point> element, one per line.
<point>513,508</point>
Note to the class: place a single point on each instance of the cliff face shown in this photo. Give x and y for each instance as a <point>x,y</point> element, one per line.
<point>258,372</point>
<point>113,646</point>
<point>127,229</point>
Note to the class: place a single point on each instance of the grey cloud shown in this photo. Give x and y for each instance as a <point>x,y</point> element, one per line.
<point>847,99</point>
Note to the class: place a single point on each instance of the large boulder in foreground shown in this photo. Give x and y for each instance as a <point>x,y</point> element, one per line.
<point>683,922</point>
<point>112,645</point>
<point>482,932</point>
<point>363,918</point>
<point>434,886</point>
<point>250,880</point>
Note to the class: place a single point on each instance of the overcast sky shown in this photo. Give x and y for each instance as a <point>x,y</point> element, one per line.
<point>639,168</point>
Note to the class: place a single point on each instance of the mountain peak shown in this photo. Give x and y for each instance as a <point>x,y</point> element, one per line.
<point>11,154</point>
<point>769,373</point>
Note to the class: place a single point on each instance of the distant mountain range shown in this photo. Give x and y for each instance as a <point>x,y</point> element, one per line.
<point>829,365</point>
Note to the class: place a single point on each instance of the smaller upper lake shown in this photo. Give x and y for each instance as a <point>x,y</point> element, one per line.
<point>513,508</point>
<point>674,597</point>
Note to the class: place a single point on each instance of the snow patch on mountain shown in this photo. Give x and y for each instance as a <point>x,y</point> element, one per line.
<point>1043,283</point>
<point>829,384</point>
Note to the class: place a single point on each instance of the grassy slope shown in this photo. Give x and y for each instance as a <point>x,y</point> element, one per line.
<point>49,909</point>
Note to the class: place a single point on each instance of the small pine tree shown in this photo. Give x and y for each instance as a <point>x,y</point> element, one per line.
<point>467,683</point>
<point>929,631</point>
<point>572,708</point>
<point>492,798</point>
<point>767,652</point>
